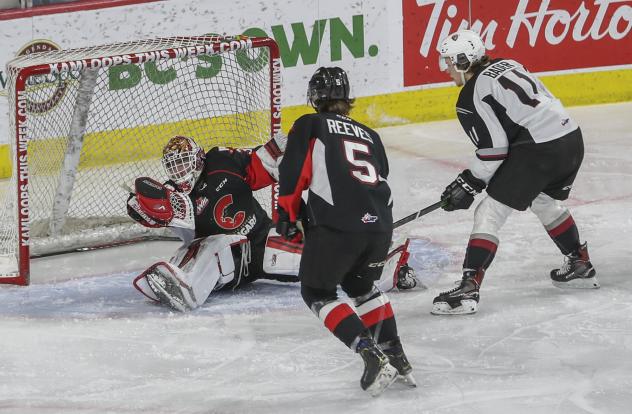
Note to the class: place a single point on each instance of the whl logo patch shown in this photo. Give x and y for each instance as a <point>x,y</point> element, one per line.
<point>200,205</point>
<point>367,218</point>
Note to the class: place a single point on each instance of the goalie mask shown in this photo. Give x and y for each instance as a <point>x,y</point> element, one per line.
<point>463,49</point>
<point>183,161</point>
<point>327,84</point>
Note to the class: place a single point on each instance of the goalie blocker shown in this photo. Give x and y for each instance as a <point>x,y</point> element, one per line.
<point>218,262</point>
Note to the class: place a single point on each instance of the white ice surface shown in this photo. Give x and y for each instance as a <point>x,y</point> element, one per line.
<point>73,342</point>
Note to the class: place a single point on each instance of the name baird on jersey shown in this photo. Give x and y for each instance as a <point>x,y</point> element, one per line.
<point>498,69</point>
<point>346,128</point>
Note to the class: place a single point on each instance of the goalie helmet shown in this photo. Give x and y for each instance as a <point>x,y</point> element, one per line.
<point>462,49</point>
<point>327,84</point>
<point>183,161</point>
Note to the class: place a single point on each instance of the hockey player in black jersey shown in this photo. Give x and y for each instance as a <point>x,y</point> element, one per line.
<point>529,151</point>
<point>347,226</point>
<point>208,201</point>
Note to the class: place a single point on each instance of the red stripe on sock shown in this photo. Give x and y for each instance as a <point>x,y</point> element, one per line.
<point>565,225</point>
<point>377,315</point>
<point>483,244</point>
<point>337,315</point>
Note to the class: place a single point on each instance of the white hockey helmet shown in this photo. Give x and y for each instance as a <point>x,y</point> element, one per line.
<point>463,48</point>
<point>183,161</point>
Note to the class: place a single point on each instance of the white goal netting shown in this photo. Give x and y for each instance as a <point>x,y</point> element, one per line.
<point>85,123</point>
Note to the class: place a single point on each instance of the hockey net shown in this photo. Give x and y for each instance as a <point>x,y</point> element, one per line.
<point>84,123</point>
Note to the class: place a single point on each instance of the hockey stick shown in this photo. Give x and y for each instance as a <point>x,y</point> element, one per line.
<point>120,243</point>
<point>418,214</point>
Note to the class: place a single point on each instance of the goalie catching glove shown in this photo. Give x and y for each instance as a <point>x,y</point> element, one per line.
<point>459,195</point>
<point>156,205</point>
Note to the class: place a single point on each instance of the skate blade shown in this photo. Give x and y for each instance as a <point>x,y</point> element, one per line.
<point>468,306</point>
<point>158,284</point>
<point>407,380</point>
<point>383,381</point>
<point>579,283</point>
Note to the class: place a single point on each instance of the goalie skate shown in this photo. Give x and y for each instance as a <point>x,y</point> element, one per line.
<point>169,289</point>
<point>406,278</point>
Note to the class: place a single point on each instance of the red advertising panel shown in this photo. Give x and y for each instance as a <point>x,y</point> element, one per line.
<point>544,35</point>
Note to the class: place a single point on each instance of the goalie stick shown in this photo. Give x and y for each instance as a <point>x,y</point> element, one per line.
<point>417,214</point>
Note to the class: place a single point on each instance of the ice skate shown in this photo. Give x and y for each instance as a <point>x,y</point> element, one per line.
<point>397,357</point>
<point>167,288</point>
<point>461,300</point>
<point>406,278</point>
<point>378,374</point>
<point>576,272</point>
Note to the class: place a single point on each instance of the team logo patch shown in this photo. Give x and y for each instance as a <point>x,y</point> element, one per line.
<point>226,221</point>
<point>51,87</point>
<point>200,205</point>
<point>367,218</point>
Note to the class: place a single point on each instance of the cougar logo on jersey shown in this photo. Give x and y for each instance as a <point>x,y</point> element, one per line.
<point>227,222</point>
<point>200,205</point>
<point>367,218</point>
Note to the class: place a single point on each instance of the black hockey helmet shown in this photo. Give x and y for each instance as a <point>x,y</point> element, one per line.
<point>327,84</point>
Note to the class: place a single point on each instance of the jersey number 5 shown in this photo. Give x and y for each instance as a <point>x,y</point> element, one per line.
<point>362,170</point>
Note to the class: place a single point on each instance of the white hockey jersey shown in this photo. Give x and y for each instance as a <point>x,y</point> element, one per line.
<point>503,106</point>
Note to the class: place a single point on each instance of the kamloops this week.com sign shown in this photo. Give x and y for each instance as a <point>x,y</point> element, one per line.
<point>544,35</point>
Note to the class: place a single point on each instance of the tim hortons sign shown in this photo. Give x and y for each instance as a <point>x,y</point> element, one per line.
<point>544,35</point>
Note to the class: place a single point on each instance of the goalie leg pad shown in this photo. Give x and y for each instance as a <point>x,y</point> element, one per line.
<point>281,256</point>
<point>187,280</point>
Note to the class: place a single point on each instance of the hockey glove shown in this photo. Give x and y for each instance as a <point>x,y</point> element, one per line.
<point>151,204</point>
<point>137,214</point>
<point>290,230</point>
<point>459,195</point>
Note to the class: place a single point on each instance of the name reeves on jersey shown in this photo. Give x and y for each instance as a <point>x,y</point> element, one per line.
<point>345,128</point>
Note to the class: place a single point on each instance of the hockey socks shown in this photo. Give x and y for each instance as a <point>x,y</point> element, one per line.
<point>377,315</point>
<point>341,320</point>
<point>480,252</point>
<point>564,233</point>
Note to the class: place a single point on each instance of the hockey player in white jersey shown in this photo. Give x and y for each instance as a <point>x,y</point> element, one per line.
<point>528,152</point>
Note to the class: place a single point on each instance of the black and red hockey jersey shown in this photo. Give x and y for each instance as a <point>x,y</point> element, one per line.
<point>343,164</point>
<point>223,195</point>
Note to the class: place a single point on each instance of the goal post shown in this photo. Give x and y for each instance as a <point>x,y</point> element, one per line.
<point>84,123</point>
